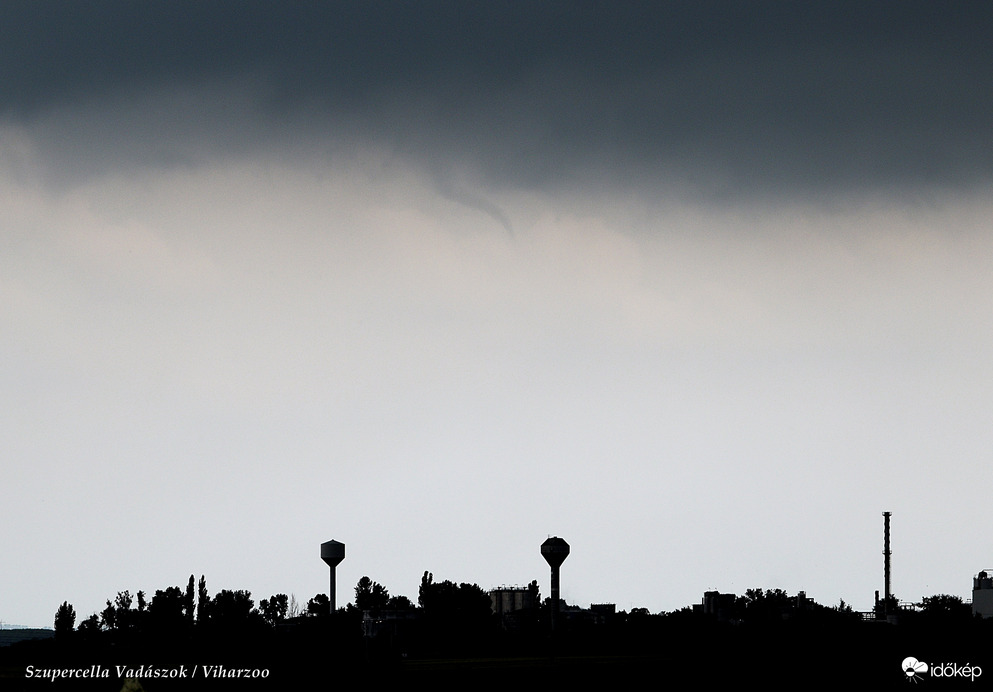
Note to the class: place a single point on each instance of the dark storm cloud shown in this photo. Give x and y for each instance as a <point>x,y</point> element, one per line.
<point>718,96</point>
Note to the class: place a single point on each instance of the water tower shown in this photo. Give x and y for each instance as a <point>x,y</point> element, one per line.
<point>555,551</point>
<point>332,553</point>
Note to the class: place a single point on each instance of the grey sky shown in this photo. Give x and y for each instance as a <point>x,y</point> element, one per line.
<point>701,287</point>
<point>718,97</point>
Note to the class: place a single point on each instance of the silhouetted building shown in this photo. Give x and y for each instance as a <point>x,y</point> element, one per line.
<point>507,599</point>
<point>602,612</point>
<point>982,595</point>
<point>716,604</point>
<point>516,606</point>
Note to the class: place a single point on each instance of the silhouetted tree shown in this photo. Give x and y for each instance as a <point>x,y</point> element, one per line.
<point>887,606</point>
<point>370,595</point>
<point>117,616</point>
<point>399,603</point>
<point>534,592</point>
<point>455,618</point>
<point>166,610</point>
<point>294,608</point>
<point>203,602</point>
<point>108,617</point>
<point>90,627</point>
<point>274,609</point>
<point>123,600</point>
<point>189,601</point>
<point>460,606</point>
<point>141,601</point>
<point>65,620</point>
<point>319,605</point>
<point>945,607</point>
<point>231,608</point>
<point>764,606</point>
<point>426,581</point>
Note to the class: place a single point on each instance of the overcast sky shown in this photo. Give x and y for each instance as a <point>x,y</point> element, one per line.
<point>701,287</point>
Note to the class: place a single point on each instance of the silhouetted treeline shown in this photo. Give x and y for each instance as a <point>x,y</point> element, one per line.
<point>453,622</point>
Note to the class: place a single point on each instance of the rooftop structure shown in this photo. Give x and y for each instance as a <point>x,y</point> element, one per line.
<point>982,594</point>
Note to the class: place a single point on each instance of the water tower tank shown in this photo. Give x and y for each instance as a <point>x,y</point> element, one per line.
<point>333,552</point>
<point>555,550</point>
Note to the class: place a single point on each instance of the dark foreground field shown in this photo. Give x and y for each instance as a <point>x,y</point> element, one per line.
<point>776,657</point>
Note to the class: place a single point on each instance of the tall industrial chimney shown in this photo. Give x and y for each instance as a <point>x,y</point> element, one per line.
<point>555,551</point>
<point>332,553</point>
<point>886,562</point>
